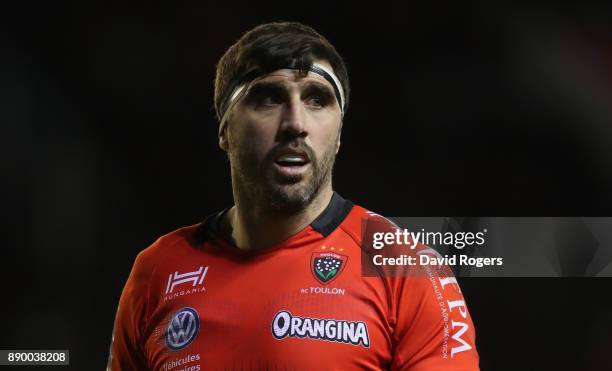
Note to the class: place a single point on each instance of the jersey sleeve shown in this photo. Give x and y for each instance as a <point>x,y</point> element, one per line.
<point>126,352</point>
<point>433,329</point>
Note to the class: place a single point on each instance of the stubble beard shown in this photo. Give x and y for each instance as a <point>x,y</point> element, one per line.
<point>261,186</point>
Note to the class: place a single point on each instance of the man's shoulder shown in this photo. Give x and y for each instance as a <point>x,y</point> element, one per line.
<point>167,244</point>
<point>361,218</point>
<point>360,212</point>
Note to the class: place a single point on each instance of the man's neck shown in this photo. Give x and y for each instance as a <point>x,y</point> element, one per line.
<point>253,227</point>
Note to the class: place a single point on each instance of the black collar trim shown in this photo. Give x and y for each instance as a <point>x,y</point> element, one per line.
<point>208,229</point>
<point>334,214</point>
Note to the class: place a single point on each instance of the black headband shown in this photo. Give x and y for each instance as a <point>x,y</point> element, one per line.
<point>239,87</point>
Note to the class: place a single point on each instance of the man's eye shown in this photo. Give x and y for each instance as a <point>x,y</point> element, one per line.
<point>316,101</point>
<point>268,100</point>
<point>264,98</point>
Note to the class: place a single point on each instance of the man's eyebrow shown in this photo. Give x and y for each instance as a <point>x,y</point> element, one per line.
<point>280,85</point>
<point>268,85</point>
<point>275,88</point>
<point>310,85</point>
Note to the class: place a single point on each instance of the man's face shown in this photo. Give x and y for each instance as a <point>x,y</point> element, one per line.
<point>282,139</point>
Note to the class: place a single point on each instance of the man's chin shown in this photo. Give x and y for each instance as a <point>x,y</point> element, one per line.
<point>288,180</point>
<point>289,197</point>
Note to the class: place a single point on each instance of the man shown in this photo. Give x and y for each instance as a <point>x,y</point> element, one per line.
<point>275,281</point>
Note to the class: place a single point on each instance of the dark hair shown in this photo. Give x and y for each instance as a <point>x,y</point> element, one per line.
<point>269,47</point>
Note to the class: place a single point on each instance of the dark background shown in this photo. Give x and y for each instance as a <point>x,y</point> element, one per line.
<point>477,109</point>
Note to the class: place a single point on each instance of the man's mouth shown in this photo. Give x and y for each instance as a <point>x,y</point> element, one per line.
<point>292,162</point>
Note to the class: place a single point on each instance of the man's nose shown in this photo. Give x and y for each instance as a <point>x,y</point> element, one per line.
<point>293,119</point>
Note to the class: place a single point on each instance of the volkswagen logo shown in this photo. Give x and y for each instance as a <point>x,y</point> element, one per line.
<point>182,329</point>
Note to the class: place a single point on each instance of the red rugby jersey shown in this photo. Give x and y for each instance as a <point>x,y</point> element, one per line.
<point>194,301</point>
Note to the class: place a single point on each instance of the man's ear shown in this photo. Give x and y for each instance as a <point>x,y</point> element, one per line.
<point>223,139</point>
<point>338,140</point>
